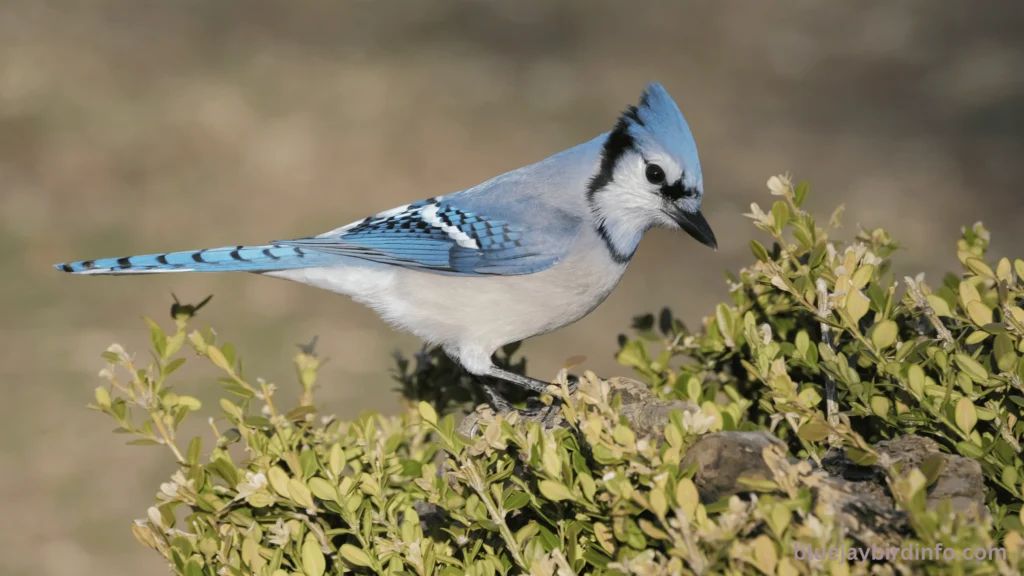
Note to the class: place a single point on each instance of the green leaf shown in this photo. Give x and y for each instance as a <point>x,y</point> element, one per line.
<point>971,367</point>
<point>300,493</point>
<point>354,555</point>
<point>279,480</point>
<point>658,502</point>
<point>979,267</point>
<point>940,306</point>
<point>933,466</point>
<point>760,252</point>
<point>554,491</point>
<point>190,402</point>
<point>814,431</point>
<point>970,450</point>
<point>800,194</point>
<point>979,313</point>
<point>860,457</point>
<point>218,359</point>
<point>322,489</point>
<point>781,214</point>
<point>965,415</point>
<point>427,413</point>
<point>687,497</point>
<point>857,305</point>
<point>880,405</point>
<point>313,561</point>
<point>336,460</point>
<point>102,397</point>
<point>195,450</point>
<point>515,501</point>
<point>884,334</point>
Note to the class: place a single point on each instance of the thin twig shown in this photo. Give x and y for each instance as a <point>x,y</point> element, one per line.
<point>831,393</point>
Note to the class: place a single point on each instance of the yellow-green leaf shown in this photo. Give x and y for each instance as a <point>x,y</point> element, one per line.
<point>760,252</point>
<point>190,402</point>
<point>1004,271</point>
<point>278,480</point>
<point>940,306</point>
<point>884,334</point>
<point>860,457</point>
<point>880,405</point>
<point>971,367</point>
<point>979,267</point>
<point>604,537</point>
<point>862,276</point>
<point>554,491</point>
<point>976,337</point>
<point>659,504</point>
<point>354,555</point>
<point>765,556</point>
<point>624,436</point>
<point>313,561</point>
<point>980,314</point>
<point>300,493</point>
<point>336,459</point>
<point>102,397</point>
<point>218,359</point>
<point>427,413</point>
<point>323,489</point>
<point>857,305</point>
<point>915,377</point>
<point>814,431</point>
<point>966,416</point>
<point>968,293</point>
<point>687,497</point>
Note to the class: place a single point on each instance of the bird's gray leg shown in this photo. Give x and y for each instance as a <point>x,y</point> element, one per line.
<point>524,381</point>
<point>500,405</point>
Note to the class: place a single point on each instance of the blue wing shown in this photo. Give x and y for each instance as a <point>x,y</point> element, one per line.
<point>437,235</point>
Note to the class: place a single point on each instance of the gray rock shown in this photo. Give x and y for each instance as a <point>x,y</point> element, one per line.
<point>723,458</point>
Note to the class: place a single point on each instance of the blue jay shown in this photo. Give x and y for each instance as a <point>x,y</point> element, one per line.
<point>522,254</point>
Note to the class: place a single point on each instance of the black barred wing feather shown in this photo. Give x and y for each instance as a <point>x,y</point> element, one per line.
<point>438,236</point>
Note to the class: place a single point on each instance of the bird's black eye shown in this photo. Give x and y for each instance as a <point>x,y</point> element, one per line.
<point>655,175</point>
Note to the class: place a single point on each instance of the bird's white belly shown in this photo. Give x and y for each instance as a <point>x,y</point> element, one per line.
<point>474,316</point>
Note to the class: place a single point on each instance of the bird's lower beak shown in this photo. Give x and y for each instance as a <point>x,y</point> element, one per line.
<point>697,226</point>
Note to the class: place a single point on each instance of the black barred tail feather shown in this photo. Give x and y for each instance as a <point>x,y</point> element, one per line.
<point>227,259</point>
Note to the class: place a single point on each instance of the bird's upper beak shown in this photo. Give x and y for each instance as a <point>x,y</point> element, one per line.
<point>695,225</point>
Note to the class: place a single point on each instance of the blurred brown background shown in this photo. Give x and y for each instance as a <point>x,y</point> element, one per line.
<point>135,126</point>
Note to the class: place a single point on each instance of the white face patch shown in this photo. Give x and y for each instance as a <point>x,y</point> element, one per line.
<point>429,215</point>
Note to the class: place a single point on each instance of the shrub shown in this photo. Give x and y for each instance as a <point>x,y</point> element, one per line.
<point>284,490</point>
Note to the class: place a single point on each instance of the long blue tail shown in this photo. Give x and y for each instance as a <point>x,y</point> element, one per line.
<point>227,259</point>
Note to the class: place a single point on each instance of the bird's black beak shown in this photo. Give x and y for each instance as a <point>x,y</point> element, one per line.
<point>695,225</point>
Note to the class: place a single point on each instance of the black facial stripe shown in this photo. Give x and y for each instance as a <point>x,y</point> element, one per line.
<point>614,252</point>
<point>618,143</point>
<point>676,191</point>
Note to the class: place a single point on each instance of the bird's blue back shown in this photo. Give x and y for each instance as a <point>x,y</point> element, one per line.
<point>520,222</point>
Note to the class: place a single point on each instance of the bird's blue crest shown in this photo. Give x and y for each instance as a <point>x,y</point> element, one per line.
<point>656,123</point>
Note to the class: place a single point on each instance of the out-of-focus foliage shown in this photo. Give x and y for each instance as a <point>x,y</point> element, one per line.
<point>280,489</point>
